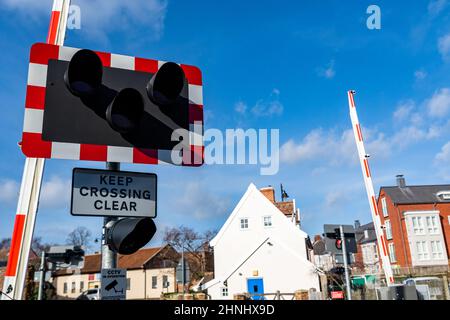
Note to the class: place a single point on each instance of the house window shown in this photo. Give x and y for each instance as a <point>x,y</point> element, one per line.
<point>267,221</point>
<point>244,223</point>
<point>165,282</point>
<point>432,225</point>
<point>81,286</point>
<point>392,255</point>
<point>154,282</point>
<point>73,288</point>
<point>422,250</point>
<point>224,291</point>
<point>418,225</point>
<point>65,287</point>
<point>128,283</point>
<point>365,254</point>
<point>384,207</point>
<point>436,250</point>
<point>388,226</point>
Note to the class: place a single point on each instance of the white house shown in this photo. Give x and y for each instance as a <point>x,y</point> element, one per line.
<point>259,250</point>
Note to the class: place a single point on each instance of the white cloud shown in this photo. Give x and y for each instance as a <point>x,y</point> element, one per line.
<point>444,46</point>
<point>263,107</point>
<point>412,134</point>
<point>9,191</point>
<point>335,197</point>
<point>439,104</point>
<point>420,74</point>
<point>403,110</point>
<point>267,108</point>
<point>55,193</point>
<point>201,203</point>
<point>436,6</point>
<point>240,107</point>
<point>329,71</point>
<point>106,16</point>
<point>444,155</point>
<point>412,126</point>
<point>99,17</point>
<point>319,144</point>
<point>28,6</point>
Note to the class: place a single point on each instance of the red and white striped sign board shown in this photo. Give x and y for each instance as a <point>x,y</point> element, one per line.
<point>34,146</point>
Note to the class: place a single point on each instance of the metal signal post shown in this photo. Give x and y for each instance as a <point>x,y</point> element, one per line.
<point>344,253</point>
<point>109,257</point>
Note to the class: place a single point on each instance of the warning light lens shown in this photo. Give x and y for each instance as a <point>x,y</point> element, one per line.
<point>165,86</point>
<point>125,112</point>
<point>84,73</point>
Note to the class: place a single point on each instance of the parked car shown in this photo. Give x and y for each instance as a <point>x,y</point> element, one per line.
<point>91,294</point>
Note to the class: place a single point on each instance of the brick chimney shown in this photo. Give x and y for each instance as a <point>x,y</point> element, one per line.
<point>269,193</point>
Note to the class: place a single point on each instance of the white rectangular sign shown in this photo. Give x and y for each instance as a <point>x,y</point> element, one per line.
<point>114,284</point>
<point>113,193</point>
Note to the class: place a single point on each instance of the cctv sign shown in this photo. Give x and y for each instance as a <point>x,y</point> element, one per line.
<point>114,284</point>
<point>113,193</point>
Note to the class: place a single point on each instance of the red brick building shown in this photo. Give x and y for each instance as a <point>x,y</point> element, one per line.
<point>416,225</point>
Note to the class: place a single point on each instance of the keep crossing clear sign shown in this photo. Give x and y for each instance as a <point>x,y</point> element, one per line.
<point>114,284</point>
<point>113,193</point>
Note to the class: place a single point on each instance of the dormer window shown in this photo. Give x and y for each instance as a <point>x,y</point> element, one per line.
<point>443,195</point>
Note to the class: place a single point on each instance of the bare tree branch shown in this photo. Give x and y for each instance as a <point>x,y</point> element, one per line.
<point>81,236</point>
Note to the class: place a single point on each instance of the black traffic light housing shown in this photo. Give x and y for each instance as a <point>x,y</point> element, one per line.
<point>83,76</point>
<point>128,235</point>
<point>89,103</point>
<point>338,242</point>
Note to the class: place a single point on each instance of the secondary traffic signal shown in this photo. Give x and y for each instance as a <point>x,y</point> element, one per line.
<point>128,235</point>
<point>338,242</point>
<point>333,239</point>
<point>88,105</point>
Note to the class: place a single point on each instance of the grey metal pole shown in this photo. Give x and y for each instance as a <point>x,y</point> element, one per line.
<point>182,266</point>
<point>42,275</point>
<point>344,252</point>
<point>109,257</point>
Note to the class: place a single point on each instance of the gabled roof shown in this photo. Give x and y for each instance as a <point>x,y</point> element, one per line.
<point>416,194</point>
<point>93,262</point>
<point>287,207</point>
<point>250,190</point>
<point>360,233</point>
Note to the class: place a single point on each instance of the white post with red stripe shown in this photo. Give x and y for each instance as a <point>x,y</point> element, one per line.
<point>31,185</point>
<point>363,157</point>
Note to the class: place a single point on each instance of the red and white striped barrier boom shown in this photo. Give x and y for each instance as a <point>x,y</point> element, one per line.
<point>363,158</point>
<point>22,236</point>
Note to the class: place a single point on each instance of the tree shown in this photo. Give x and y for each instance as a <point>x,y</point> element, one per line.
<point>81,236</point>
<point>5,243</point>
<point>4,248</point>
<point>37,246</point>
<point>196,247</point>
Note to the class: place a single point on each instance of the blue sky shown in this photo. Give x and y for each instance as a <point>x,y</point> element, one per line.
<point>265,64</point>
